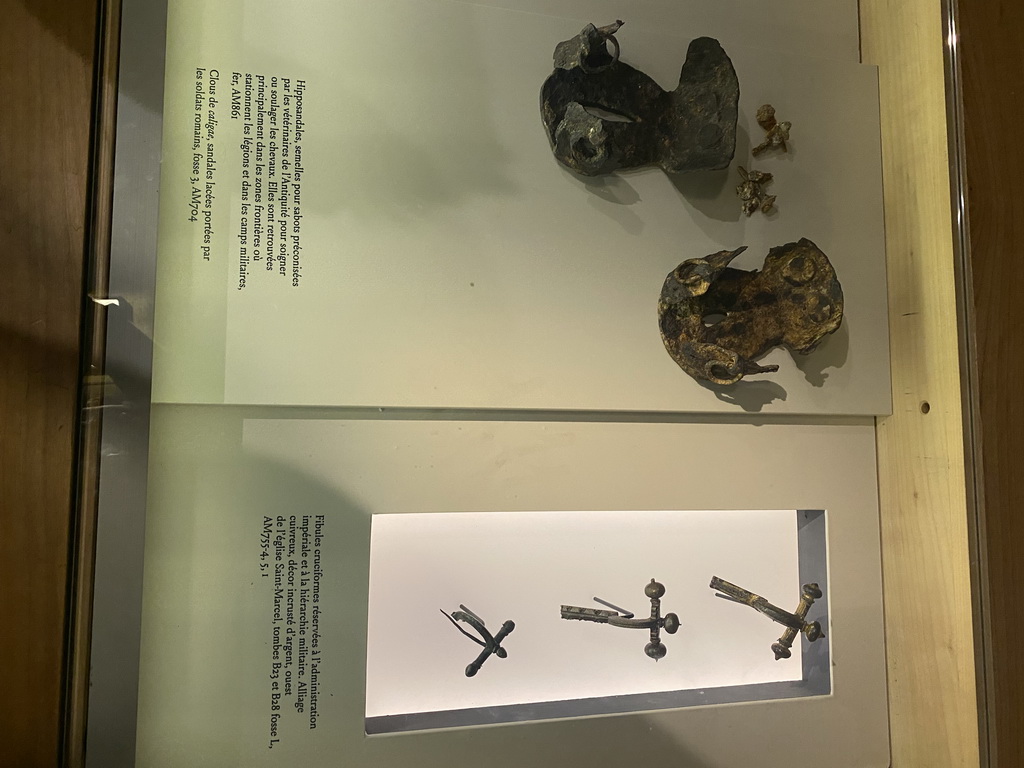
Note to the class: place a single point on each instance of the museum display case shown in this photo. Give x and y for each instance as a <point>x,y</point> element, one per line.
<point>552,382</point>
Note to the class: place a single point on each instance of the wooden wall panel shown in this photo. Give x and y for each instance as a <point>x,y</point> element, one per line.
<point>925,536</point>
<point>991,43</point>
<point>46,65</point>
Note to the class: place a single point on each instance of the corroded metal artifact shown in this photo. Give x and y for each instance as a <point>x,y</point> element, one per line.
<point>777,134</point>
<point>491,643</point>
<point>793,622</point>
<point>717,321</point>
<point>751,191</point>
<point>601,114</point>
<point>620,618</point>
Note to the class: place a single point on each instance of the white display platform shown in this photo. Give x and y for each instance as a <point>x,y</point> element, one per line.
<point>220,476</point>
<point>522,566</point>
<point>448,261</point>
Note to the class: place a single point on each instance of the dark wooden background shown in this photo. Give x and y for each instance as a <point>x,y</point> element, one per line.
<point>992,49</point>
<point>47,61</point>
<point>46,74</point>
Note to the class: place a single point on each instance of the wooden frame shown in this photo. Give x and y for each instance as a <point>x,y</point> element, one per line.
<point>925,490</point>
<point>926,538</point>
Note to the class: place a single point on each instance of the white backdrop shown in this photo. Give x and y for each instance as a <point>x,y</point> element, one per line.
<point>523,565</point>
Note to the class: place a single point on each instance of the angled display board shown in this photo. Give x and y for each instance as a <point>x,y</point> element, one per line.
<point>366,212</point>
<point>275,634</point>
<point>561,667</point>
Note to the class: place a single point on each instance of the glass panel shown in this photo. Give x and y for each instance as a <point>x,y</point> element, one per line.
<point>404,362</point>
